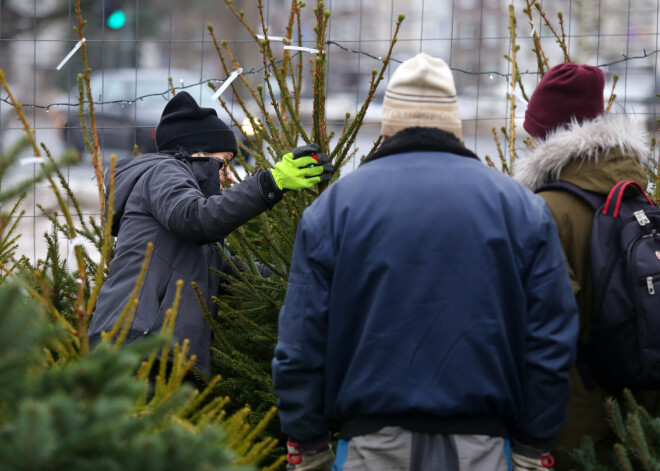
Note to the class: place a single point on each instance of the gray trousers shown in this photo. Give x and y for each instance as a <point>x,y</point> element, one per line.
<point>396,449</point>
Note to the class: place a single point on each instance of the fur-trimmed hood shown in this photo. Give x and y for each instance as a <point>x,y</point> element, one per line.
<point>607,137</point>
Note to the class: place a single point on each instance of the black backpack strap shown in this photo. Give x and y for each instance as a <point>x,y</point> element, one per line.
<point>595,200</point>
<point>584,371</point>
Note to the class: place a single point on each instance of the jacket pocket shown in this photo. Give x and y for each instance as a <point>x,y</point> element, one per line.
<point>292,315</point>
<point>166,301</point>
<point>154,289</point>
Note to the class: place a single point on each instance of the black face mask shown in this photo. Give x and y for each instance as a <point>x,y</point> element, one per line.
<point>206,171</point>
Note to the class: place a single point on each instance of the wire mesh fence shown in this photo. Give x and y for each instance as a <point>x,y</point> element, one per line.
<point>134,46</point>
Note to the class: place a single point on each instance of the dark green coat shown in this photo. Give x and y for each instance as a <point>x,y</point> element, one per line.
<point>594,155</point>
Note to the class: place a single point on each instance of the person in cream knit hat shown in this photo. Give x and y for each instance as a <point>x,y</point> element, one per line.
<point>421,93</point>
<point>429,316</point>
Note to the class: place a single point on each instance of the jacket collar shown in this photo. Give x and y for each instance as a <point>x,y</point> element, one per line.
<point>207,173</point>
<point>420,139</point>
<point>590,141</point>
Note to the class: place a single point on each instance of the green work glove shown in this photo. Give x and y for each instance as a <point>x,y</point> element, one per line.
<point>303,167</point>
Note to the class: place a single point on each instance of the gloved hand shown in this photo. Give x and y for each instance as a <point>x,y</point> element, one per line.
<point>529,458</point>
<point>303,167</point>
<point>309,456</point>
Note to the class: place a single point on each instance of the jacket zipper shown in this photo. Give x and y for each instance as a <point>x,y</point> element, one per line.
<point>606,272</point>
<point>648,280</point>
<point>649,285</point>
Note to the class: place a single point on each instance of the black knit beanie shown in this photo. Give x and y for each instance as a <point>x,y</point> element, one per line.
<point>186,125</point>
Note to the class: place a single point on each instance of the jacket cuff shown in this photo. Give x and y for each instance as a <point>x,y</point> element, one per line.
<point>268,188</point>
<point>314,444</point>
<point>522,439</point>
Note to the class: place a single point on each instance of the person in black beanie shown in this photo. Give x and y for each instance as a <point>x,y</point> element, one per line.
<point>175,199</point>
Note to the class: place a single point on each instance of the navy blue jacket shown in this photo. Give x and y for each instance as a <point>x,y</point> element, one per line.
<point>177,205</point>
<point>426,283</point>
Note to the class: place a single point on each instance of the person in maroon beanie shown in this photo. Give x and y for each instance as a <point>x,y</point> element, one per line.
<point>574,140</point>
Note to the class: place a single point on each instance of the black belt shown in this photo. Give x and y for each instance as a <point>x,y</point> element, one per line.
<point>424,423</point>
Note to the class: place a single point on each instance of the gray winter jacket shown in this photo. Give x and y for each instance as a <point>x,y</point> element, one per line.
<point>177,205</point>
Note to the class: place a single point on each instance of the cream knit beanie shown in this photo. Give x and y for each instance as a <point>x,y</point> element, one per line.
<point>421,92</point>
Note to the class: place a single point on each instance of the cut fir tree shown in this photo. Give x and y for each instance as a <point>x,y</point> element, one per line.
<point>245,324</point>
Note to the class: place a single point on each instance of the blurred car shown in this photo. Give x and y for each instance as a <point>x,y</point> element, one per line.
<point>128,104</point>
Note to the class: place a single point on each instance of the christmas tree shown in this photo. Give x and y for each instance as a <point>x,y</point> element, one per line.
<point>245,324</point>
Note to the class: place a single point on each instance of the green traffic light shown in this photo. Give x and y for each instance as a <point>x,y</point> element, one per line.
<point>117,19</point>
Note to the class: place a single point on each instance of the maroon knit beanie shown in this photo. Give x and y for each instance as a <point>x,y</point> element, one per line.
<point>567,91</point>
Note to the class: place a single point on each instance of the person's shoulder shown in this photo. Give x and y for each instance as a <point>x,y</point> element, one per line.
<point>555,197</point>
<point>491,179</point>
<point>164,162</point>
<point>566,208</point>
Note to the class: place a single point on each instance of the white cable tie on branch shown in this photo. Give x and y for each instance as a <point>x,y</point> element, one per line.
<point>73,51</point>
<point>227,82</point>
<point>531,24</point>
<point>77,241</point>
<point>274,38</point>
<point>304,49</point>
<point>33,160</point>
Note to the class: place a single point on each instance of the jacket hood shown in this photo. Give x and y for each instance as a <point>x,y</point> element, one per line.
<point>593,155</point>
<point>127,173</point>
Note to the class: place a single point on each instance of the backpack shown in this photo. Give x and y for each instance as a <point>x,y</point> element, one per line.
<point>624,338</point>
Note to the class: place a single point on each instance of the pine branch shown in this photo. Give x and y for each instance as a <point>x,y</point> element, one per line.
<point>80,313</point>
<point>244,319</point>
<point>55,315</point>
<point>610,101</point>
<point>227,70</point>
<point>319,72</point>
<point>349,157</point>
<point>8,158</point>
<point>209,319</point>
<point>541,59</point>
<point>347,139</point>
<point>622,456</point>
<point>70,231</point>
<point>211,411</point>
<point>270,137</point>
<point>44,171</point>
<point>561,40</point>
<point>29,132</point>
<point>107,239</point>
<point>167,328</point>
<point>298,84</point>
<point>615,418</point>
<point>374,146</point>
<point>498,146</point>
<point>125,315</point>
<point>239,237</point>
<point>515,78</point>
<point>94,147</point>
<point>8,240</point>
<point>68,190</point>
<point>197,400</point>
<point>285,94</point>
<point>236,355</point>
